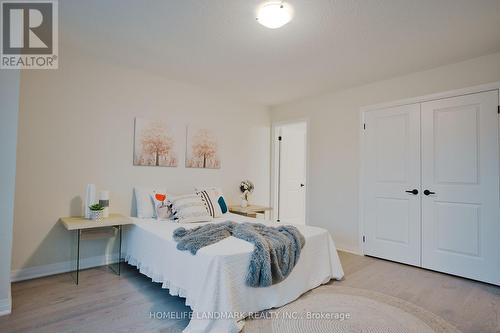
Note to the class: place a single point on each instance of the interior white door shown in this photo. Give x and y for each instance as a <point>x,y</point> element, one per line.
<point>392,184</point>
<point>460,167</point>
<point>292,174</point>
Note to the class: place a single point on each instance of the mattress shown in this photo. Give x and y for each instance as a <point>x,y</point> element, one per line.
<point>213,280</point>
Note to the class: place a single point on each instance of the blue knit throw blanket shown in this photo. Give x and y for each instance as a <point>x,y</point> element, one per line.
<point>277,249</point>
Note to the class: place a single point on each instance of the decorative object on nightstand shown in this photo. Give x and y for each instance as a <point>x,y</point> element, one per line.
<point>89,199</point>
<point>80,226</point>
<point>249,210</point>
<point>104,202</point>
<point>246,188</point>
<point>96,212</point>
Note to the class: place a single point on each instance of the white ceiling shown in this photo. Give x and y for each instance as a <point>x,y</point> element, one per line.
<point>329,45</point>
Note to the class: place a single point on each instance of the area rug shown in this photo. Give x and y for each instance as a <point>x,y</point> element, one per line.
<point>348,310</point>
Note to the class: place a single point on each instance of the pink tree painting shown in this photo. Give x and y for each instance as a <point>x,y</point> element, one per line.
<point>155,144</point>
<point>202,149</point>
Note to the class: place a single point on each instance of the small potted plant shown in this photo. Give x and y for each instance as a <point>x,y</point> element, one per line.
<point>96,212</point>
<point>246,187</point>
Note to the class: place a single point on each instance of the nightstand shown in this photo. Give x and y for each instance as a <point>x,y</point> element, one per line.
<point>250,210</point>
<point>80,226</point>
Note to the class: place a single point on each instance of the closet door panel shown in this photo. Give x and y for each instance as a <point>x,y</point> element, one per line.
<point>392,167</point>
<point>460,167</point>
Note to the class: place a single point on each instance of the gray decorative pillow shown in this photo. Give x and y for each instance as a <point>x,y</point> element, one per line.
<point>188,208</point>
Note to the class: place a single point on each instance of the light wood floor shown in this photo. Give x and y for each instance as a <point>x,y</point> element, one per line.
<point>104,302</point>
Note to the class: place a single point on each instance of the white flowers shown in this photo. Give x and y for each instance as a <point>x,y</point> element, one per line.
<point>246,187</point>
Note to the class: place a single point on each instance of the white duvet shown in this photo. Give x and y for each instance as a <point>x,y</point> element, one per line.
<point>213,280</point>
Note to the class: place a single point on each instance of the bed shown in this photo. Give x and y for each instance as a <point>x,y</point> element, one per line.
<point>213,280</point>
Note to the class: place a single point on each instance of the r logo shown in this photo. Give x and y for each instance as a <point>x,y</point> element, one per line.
<point>29,36</point>
<point>27,28</point>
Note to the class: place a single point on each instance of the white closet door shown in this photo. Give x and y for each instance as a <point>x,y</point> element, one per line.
<point>292,198</point>
<point>392,167</point>
<point>460,164</point>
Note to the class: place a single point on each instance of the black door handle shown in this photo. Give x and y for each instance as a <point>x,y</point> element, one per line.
<point>302,185</point>
<point>414,191</point>
<point>427,192</point>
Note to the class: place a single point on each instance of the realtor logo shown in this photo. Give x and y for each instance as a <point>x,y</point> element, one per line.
<point>29,35</point>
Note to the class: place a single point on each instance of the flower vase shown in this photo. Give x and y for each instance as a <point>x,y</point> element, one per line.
<point>244,203</point>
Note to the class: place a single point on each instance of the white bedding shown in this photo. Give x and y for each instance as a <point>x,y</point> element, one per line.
<point>213,280</point>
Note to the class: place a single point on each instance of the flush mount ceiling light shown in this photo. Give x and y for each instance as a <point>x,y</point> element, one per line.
<point>274,14</point>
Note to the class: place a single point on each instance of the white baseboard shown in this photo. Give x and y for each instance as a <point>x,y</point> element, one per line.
<point>350,251</point>
<point>59,267</point>
<point>5,306</point>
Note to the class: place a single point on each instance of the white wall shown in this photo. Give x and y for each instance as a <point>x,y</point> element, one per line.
<point>9,106</point>
<point>334,137</point>
<point>76,127</point>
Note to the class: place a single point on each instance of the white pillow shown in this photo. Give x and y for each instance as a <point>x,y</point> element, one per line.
<point>144,202</point>
<point>210,198</point>
<point>217,192</point>
<point>162,209</point>
<point>188,208</point>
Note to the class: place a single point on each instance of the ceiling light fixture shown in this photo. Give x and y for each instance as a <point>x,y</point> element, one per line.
<point>274,14</point>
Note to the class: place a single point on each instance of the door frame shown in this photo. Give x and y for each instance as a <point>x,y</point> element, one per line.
<point>419,99</point>
<point>274,164</point>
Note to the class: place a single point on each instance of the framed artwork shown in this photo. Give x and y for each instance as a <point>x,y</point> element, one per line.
<point>156,143</point>
<point>202,149</point>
